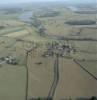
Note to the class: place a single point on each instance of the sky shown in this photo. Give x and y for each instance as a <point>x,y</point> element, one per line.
<point>21,1</point>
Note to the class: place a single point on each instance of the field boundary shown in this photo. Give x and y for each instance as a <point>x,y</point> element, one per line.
<point>81,66</point>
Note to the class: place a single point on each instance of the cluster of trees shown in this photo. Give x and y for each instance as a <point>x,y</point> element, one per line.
<point>81,98</point>
<point>2,27</point>
<point>41,99</point>
<point>86,12</point>
<point>81,22</point>
<point>41,31</point>
<point>12,10</point>
<point>37,23</point>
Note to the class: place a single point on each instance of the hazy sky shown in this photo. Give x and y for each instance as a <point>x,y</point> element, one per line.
<point>20,1</point>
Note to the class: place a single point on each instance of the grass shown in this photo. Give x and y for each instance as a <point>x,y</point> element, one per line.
<point>13,81</point>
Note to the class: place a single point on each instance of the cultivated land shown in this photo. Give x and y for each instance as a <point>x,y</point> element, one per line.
<point>74,82</point>
<point>45,57</point>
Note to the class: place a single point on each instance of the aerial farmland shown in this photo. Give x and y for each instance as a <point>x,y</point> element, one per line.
<point>48,51</point>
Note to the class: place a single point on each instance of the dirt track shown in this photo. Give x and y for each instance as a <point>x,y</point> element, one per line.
<point>74,81</point>
<point>56,78</point>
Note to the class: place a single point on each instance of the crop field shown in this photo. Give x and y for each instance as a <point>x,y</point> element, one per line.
<point>74,82</point>
<point>91,66</point>
<point>85,49</point>
<point>12,77</point>
<point>17,34</point>
<point>38,57</point>
<point>11,23</point>
<point>12,85</point>
<point>10,30</point>
<point>6,45</point>
<point>57,26</point>
<point>40,76</point>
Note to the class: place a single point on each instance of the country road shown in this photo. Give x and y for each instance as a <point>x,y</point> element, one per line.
<point>56,78</point>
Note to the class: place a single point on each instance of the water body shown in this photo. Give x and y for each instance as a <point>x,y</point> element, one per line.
<point>26,16</point>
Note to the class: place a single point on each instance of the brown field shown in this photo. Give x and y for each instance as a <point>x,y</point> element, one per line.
<point>74,82</point>
<point>40,76</point>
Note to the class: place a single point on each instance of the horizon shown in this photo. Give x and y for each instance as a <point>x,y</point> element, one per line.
<point>8,2</point>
